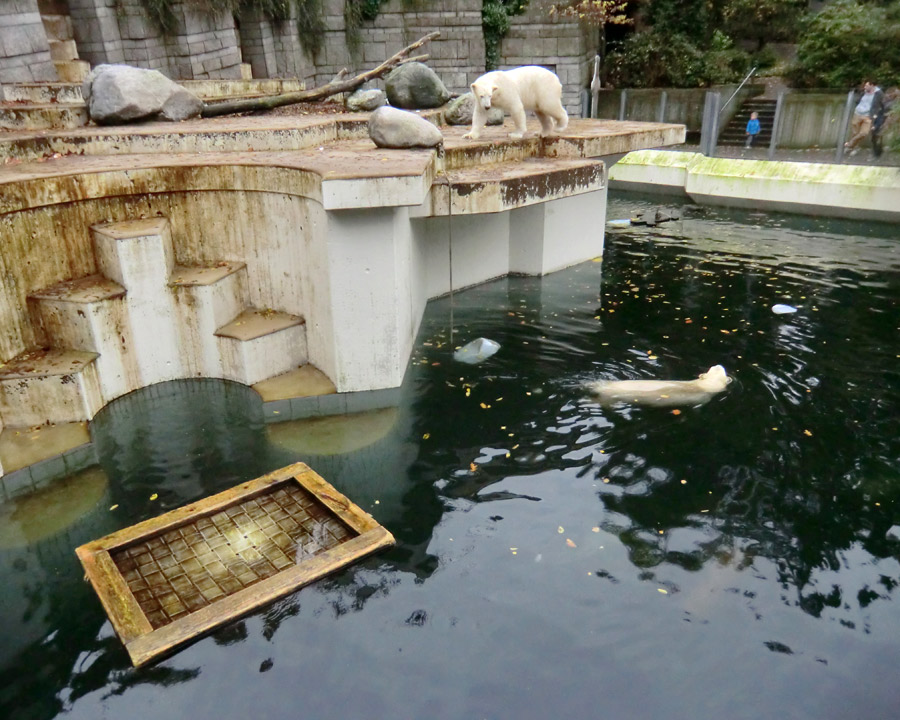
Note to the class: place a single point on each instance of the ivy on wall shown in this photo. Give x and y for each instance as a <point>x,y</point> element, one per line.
<point>495,15</point>
<point>310,16</point>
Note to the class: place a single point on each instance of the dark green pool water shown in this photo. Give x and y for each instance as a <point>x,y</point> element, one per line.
<point>554,558</point>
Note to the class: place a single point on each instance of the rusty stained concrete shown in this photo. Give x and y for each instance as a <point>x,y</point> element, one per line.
<point>250,193</point>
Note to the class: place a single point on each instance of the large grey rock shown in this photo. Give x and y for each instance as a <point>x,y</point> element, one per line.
<point>459,111</point>
<point>365,100</point>
<point>123,94</point>
<point>415,86</point>
<point>393,128</point>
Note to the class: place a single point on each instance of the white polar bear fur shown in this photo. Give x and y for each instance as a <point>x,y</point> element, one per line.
<point>663,392</point>
<point>518,90</point>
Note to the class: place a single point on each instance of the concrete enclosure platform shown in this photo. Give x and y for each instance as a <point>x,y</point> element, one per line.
<point>250,247</point>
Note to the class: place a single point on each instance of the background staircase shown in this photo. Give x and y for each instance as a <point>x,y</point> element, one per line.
<point>735,133</point>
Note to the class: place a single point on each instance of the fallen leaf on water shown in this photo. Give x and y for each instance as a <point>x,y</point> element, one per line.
<point>570,543</point>
<point>426,436</point>
<point>560,530</point>
<point>154,496</point>
<point>595,529</point>
<point>676,411</point>
<point>664,592</point>
<point>807,432</point>
<point>472,467</point>
<point>113,507</point>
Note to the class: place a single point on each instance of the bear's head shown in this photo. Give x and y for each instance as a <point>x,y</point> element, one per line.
<point>484,91</point>
<point>714,380</point>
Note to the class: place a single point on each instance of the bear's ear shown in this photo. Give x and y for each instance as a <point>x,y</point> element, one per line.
<point>474,90</point>
<point>495,89</point>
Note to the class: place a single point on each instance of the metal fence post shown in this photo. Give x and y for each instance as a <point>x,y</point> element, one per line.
<point>709,131</point>
<point>662,106</point>
<point>776,124</point>
<point>622,100</point>
<point>845,123</point>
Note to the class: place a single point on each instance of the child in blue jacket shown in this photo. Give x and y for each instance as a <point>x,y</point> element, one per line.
<point>752,129</point>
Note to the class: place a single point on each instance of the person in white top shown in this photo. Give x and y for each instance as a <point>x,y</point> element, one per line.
<point>869,106</point>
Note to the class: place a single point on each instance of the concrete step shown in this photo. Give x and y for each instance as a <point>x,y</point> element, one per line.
<point>57,27</point>
<point>89,314</point>
<point>139,256</point>
<point>63,50</point>
<point>71,71</point>
<point>49,386</point>
<point>259,344</point>
<point>207,298</point>
<point>43,93</point>
<point>42,117</point>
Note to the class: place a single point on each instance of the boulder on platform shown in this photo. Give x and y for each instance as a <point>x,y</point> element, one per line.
<point>118,94</point>
<point>415,86</point>
<point>365,100</point>
<point>459,111</point>
<point>393,128</point>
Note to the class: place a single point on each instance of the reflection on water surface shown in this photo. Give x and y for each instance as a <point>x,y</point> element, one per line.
<point>555,557</point>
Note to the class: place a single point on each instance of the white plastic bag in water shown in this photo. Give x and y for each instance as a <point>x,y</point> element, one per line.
<point>780,309</point>
<point>476,351</point>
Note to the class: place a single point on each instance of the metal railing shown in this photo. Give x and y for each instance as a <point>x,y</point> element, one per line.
<point>743,82</point>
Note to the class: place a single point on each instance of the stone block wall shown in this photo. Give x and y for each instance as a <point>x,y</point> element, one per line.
<point>24,50</point>
<point>203,44</point>
<point>565,46</point>
<point>213,45</point>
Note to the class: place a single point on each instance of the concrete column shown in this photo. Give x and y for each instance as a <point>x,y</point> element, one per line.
<point>557,234</point>
<point>365,272</point>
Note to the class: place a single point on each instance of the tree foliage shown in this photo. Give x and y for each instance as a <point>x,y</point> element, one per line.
<point>847,42</point>
<point>594,12</point>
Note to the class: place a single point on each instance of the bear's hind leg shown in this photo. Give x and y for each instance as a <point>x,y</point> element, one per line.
<point>561,117</point>
<point>546,123</point>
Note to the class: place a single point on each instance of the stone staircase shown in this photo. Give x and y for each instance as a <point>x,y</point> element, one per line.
<point>42,106</point>
<point>735,133</point>
<point>63,50</point>
<point>140,320</point>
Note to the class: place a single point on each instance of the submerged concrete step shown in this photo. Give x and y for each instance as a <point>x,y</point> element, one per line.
<point>49,386</point>
<point>259,344</point>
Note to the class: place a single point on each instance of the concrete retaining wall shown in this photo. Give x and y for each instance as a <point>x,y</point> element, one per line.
<point>850,191</point>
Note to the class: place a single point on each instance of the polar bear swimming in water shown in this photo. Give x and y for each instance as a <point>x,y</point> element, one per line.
<point>523,88</point>
<point>662,393</point>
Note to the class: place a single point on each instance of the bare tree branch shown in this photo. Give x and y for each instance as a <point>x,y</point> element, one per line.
<point>334,87</point>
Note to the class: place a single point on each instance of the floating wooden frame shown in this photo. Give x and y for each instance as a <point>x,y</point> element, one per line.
<point>171,578</point>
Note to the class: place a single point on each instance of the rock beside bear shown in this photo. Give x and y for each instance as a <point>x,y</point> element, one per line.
<point>460,109</point>
<point>393,128</point>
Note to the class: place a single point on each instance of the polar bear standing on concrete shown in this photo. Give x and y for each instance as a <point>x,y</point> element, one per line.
<point>523,88</point>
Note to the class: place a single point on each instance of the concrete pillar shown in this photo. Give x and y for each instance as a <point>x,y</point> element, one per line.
<point>365,272</point>
<point>554,235</point>
<point>138,255</point>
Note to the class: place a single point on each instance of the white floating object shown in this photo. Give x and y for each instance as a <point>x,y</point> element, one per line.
<point>894,532</point>
<point>619,223</point>
<point>476,351</point>
<point>780,309</point>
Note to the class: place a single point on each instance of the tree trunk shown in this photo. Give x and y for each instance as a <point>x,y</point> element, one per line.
<point>322,92</point>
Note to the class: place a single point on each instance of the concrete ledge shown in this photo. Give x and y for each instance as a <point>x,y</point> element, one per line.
<point>849,191</point>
